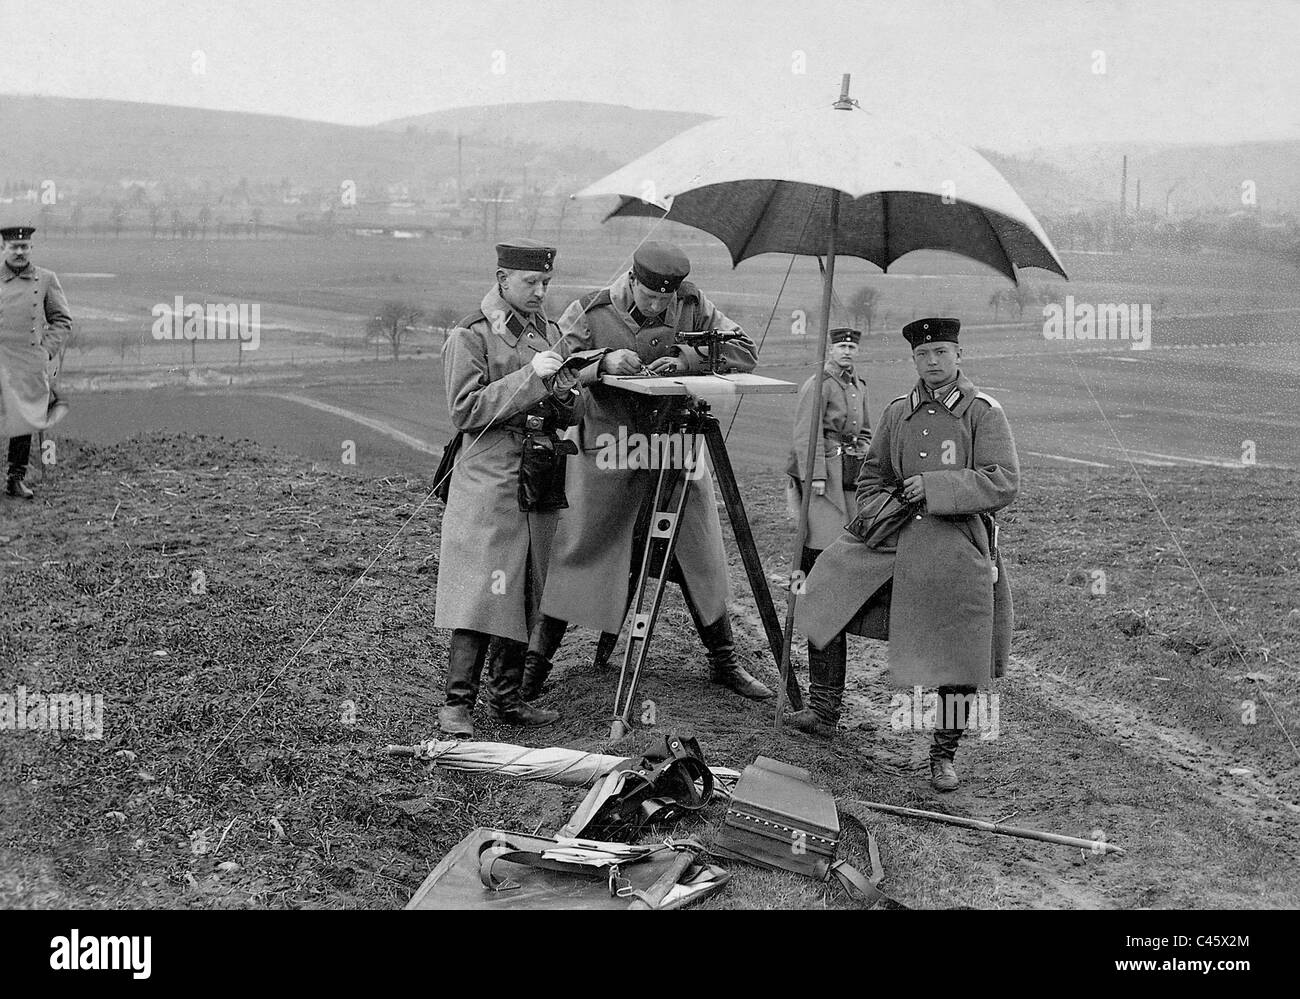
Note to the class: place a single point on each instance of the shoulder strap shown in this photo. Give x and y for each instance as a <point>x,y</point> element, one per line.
<point>595,300</point>
<point>476,316</point>
<point>866,890</point>
<point>605,868</point>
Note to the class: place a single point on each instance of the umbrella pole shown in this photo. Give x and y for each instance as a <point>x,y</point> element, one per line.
<point>814,438</point>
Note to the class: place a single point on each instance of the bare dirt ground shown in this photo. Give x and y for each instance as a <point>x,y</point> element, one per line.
<point>244,719</point>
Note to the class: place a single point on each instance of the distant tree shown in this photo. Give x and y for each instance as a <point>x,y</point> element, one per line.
<point>177,222</point>
<point>118,217</point>
<point>155,216</point>
<point>1012,298</point>
<point>1022,295</point>
<point>444,318</point>
<point>205,219</point>
<point>863,305</point>
<point>256,219</point>
<point>393,321</point>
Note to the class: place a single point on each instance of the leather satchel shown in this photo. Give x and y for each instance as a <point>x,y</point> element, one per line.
<point>880,518</point>
<point>542,462</point>
<point>777,819</point>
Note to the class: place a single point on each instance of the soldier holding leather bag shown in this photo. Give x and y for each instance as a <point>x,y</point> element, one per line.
<point>942,461</point>
<point>509,392</point>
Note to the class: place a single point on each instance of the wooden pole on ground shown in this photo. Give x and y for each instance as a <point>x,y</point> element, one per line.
<point>1095,845</point>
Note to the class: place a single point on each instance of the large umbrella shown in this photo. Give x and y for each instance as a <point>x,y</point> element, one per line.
<point>831,180</point>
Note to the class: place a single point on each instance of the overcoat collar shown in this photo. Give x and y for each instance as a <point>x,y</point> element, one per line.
<point>27,273</point>
<point>621,297</point>
<point>846,376</point>
<point>516,324</point>
<point>955,400</point>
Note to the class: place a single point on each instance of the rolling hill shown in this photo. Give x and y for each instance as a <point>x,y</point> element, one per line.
<point>549,146</point>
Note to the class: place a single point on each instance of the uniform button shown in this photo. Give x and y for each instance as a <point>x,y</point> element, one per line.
<point>930,411</point>
<point>925,433</point>
<point>918,516</point>
<point>925,454</point>
<point>654,342</point>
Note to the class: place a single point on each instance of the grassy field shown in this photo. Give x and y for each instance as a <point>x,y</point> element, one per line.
<point>242,765</point>
<point>315,294</point>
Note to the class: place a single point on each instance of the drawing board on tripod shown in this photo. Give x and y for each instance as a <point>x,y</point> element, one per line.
<point>700,386</point>
<point>667,505</point>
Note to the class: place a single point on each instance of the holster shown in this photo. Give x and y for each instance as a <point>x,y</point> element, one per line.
<point>850,466</point>
<point>442,477</point>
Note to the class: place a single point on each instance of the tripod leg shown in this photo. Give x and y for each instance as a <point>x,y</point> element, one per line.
<point>661,542</point>
<point>749,552</point>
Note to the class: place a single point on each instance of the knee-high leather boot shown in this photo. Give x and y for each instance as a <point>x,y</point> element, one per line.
<point>943,747</point>
<point>464,668</point>
<point>547,635</point>
<point>20,449</point>
<point>720,649</point>
<point>826,671</point>
<point>505,678</point>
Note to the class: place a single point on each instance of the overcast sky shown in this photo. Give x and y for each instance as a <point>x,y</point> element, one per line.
<point>1004,75</point>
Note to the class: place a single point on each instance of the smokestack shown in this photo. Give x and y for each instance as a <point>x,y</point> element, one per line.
<point>1123,189</point>
<point>1137,204</point>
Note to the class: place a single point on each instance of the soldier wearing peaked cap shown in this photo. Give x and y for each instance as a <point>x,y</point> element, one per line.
<point>633,323</point>
<point>508,396</point>
<point>846,432</point>
<point>934,585</point>
<point>34,323</point>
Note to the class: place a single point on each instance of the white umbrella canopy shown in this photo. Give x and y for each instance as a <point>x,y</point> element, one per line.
<point>765,185</point>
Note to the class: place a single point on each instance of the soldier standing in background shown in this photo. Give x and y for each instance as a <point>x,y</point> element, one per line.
<point>846,432</point>
<point>34,323</point>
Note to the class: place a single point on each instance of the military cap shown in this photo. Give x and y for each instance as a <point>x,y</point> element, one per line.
<point>929,330</point>
<point>10,233</point>
<point>842,334</point>
<point>525,255</point>
<point>660,266</point>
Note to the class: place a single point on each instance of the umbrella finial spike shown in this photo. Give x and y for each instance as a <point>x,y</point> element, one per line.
<point>844,103</point>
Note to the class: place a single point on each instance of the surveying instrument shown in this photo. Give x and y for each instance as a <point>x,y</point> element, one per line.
<point>688,418</point>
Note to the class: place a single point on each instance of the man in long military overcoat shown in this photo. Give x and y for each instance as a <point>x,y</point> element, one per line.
<point>34,323</point>
<point>635,321</point>
<point>504,395</point>
<point>947,449</point>
<point>841,446</point>
<point>845,434</point>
